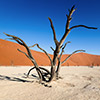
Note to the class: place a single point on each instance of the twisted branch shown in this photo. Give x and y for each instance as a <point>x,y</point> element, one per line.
<point>30,71</point>
<point>44,75</point>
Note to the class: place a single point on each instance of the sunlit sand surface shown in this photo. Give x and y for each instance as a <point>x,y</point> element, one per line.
<point>76,83</point>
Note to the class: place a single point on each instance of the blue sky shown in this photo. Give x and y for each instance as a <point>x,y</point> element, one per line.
<point>28,19</point>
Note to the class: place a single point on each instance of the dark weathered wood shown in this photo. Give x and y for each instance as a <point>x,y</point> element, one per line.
<point>44,74</point>
<point>82,26</point>
<point>54,34</point>
<point>30,71</point>
<point>67,25</point>
<point>52,48</point>
<point>23,53</point>
<point>59,60</point>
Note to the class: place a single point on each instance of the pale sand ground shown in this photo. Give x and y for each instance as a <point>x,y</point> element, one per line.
<point>78,83</point>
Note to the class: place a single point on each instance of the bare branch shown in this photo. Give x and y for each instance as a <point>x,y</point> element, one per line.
<point>43,74</point>
<point>45,70</point>
<point>9,38</point>
<point>43,51</point>
<point>17,39</point>
<point>54,34</point>
<point>30,71</point>
<point>52,48</point>
<point>59,59</point>
<point>63,50</point>
<point>66,44</point>
<point>33,45</point>
<point>21,42</point>
<point>61,46</point>
<point>82,26</point>
<point>67,25</point>
<point>23,53</point>
<point>71,55</point>
<point>40,75</point>
<point>69,17</point>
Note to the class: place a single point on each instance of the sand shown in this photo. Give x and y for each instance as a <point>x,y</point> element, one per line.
<point>77,83</point>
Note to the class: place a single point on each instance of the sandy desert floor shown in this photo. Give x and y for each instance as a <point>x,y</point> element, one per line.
<point>77,83</point>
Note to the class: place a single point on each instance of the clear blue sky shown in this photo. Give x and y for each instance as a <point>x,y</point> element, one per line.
<point>28,19</point>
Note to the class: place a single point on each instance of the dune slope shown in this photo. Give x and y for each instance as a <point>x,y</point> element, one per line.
<point>9,55</point>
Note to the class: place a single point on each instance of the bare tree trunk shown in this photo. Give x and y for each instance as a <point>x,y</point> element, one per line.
<point>55,58</point>
<point>59,60</point>
<point>58,69</point>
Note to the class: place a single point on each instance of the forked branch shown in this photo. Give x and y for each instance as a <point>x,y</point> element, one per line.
<point>67,25</point>
<point>59,59</point>
<point>63,50</point>
<point>67,29</point>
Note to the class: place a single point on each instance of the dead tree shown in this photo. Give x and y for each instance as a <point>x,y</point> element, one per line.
<point>59,44</point>
<point>44,74</point>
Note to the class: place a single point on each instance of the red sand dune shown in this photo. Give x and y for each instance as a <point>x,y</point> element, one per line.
<point>10,56</point>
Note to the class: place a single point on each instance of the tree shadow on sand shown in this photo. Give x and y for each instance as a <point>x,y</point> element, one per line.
<point>2,77</point>
<point>34,76</point>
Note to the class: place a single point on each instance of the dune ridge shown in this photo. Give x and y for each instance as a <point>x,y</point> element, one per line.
<point>10,56</point>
